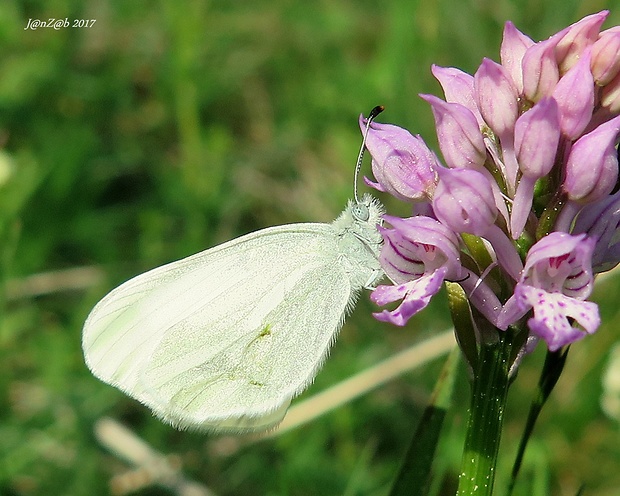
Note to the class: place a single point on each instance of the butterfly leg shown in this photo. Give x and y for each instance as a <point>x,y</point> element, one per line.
<point>375,277</point>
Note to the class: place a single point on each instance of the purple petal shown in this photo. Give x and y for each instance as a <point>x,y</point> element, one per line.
<point>374,185</point>
<point>575,96</point>
<point>496,97</point>
<point>561,262</point>
<point>514,45</point>
<point>540,70</point>
<point>574,40</point>
<point>416,246</point>
<point>605,63</point>
<point>521,206</point>
<point>537,135</point>
<point>551,313</point>
<point>464,201</point>
<point>415,296</point>
<point>460,139</point>
<point>592,166</point>
<point>402,163</point>
<point>458,87</point>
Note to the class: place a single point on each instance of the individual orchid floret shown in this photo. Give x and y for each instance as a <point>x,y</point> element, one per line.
<point>557,277</point>
<point>605,63</point>
<point>536,138</point>
<point>458,87</point>
<point>402,163</point>
<point>460,139</point>
<point>540,70</point>
<point>575,96</point>
<point>512,50</point>
<point>537,134</point>
<point>464,202</point>
<point>577,38</point>
<point>601,221</point>
<point>497,98</point>
<point>592,167</point>
<point>419,253</point>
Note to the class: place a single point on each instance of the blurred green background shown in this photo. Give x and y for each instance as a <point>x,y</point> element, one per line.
<point>168,127</point>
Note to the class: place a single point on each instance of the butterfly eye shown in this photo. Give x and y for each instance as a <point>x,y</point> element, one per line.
<point>360,212</point>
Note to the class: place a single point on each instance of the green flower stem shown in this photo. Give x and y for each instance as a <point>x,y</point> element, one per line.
<point>486,415</point>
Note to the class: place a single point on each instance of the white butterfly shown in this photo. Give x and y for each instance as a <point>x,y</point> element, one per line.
<point>224,339</point>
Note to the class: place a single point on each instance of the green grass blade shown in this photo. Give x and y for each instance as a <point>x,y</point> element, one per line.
<point>551,371</point>
<point>414,476</point>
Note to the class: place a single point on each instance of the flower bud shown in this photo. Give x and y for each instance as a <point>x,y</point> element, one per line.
<point>496,97</point>
<point>605,62</point>
<point>575,96</point>
<point>459,136</point>
<point>540,70</point>
<point>537,135</point>
<point>592,165</point>
<point>514,45</point>
<point>402,164</point>
<point>577,38</point>
<point>464,201</point>
<point>458,87</point>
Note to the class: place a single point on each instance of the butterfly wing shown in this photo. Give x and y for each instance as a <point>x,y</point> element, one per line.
<point>225,338</point>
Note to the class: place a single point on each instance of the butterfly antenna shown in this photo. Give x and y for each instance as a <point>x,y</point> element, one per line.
<point>371,117</point>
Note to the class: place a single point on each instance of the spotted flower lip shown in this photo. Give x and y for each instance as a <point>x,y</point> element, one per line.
<point>556,278</point>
